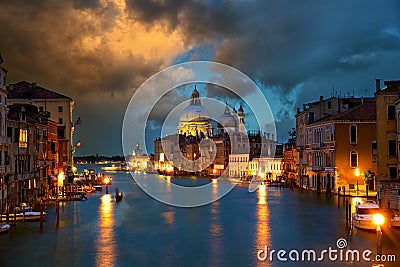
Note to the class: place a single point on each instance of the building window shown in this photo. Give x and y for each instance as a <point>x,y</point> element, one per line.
<point>9,131</point>
<point>60,108</point>
<point>392,148</point>
<point>23,138</point>
<point>353,134</point>
<point>329,105</point>
<point>391,113</point>
<point>60,121</point>
<point>311,117</point>
<point>353,159</point>
<point>393,172</point>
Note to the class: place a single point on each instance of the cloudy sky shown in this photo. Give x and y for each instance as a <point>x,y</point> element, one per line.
<point>99,51</point>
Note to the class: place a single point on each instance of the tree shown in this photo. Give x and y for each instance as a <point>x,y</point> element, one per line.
<point>368,177</point>
<point>292,137</point>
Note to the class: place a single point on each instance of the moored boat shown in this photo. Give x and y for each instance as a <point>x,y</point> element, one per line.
<point>395,221</point>
<point>28,216</point>
<point>98,187</point>
<point>363,217</point>
<point>4,228</point>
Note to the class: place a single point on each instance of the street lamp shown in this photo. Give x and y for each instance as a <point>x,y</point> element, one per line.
<point>378,220</point>
<point>106,181</point>
<point>357,173</point>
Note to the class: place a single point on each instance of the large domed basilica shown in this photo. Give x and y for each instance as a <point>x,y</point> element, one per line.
<point>195,119</point>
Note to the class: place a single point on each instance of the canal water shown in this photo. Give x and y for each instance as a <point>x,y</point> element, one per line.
<point>140,231</point>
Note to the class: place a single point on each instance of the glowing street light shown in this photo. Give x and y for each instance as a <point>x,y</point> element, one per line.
<point>378,220</point>
<point>357,173</point>
<point>106,181</point>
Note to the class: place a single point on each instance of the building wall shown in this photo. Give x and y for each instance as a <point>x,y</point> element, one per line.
<point>57,114</point>
<point>4,143</point>
<point>366,134</point>
<point>386,131</point>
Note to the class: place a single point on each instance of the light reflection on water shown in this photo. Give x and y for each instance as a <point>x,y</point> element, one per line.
<point>262,233</point>
<point>215,231</point>
<point>105,245</point>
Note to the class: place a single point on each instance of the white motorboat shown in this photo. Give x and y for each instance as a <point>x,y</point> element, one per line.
<point>4,228</point>
<point>395,222</point>
<point>363,217</point>
<point>27,215</point>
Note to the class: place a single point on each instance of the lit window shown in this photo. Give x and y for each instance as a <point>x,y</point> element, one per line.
<point>23,138</point>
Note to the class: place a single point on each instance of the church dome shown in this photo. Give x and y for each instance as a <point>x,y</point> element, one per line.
<point>195,118</point>
<point>228,121</point>
<point>194,112</point>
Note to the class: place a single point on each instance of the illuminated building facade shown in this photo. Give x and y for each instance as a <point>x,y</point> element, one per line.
<point>195,119</point>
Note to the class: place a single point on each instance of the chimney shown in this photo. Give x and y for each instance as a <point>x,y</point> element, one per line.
<point>377,85</point>
<point>298,110</point>
<point>321,106</point>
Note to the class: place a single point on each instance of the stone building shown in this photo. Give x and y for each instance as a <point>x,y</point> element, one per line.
<point>317,138</point>
<point>4,142</point>
<point>27,154</point>
<point>58,106</point>
<point>388,142</point>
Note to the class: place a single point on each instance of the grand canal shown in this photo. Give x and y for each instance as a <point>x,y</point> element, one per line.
<point>140,231</point>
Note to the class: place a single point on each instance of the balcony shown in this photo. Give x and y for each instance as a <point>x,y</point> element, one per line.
<point>317,145</point>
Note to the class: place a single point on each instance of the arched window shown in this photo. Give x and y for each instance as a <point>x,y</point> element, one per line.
<point>353,159</point>
<point>353,134</point>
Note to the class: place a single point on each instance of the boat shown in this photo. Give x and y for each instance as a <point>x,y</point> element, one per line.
<point>114,168</point>
<point>4,228</point>
<point>118,196</point>
<point>20,216</point>
<point>98,187</point>
<point>363,217</point>
<point>395,221</point>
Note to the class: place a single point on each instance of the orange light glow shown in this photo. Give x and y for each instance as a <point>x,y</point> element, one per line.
<point>105,242</point>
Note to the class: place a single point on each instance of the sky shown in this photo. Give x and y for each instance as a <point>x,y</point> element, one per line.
<point>99,52</point>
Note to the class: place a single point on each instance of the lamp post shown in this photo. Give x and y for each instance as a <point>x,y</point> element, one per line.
<point>357,173</point>
<point>378,220</point>
<point>106,181</point>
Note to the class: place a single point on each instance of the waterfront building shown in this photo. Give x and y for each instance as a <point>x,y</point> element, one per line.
<point>27,154</point>
<point>139,161</point>
<point>387,143</point>
<point>289,162</point>
<point>4,142</point>
<point>195,119</point>
<point>334,139</point>
<point>196,149</point>
<point>48,102</point>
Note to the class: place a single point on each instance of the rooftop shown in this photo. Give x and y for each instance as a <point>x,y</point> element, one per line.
<point>28,90</point>
<point>363,112</point>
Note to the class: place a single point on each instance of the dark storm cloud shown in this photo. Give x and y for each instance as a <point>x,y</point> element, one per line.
<point>279,42</point>
<point>295,51</point>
